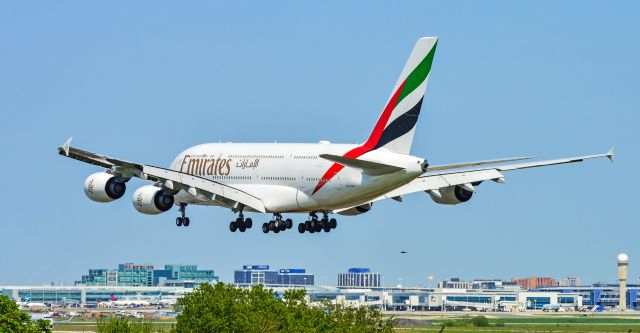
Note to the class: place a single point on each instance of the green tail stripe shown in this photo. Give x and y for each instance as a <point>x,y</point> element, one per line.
<point>418,75</point>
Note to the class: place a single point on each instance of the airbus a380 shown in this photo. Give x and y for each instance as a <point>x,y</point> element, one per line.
<point>318,179</point>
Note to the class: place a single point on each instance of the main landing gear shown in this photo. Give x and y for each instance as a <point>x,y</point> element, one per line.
<point>314,225</point>
<point>240,223</point>
<point>277,224</point>
<point>182,220</point>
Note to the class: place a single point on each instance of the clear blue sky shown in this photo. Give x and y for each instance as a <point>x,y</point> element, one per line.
<point>143,80</point>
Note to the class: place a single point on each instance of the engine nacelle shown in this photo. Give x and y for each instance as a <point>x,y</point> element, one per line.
<point>104,187</point>
<point>357,210</point>
<point>452,195</point>
<point>152,200</point>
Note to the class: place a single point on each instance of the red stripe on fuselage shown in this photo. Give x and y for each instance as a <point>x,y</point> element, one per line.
<point>367,146</point>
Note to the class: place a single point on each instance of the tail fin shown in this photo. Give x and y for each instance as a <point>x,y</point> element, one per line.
<point>396,126</point>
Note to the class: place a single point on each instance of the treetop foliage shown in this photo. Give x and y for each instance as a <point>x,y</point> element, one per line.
<point>226,308</point>
<point>15,321</point>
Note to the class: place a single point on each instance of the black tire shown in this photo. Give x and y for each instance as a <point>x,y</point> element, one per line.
<point>277,230</point>
<point>186,222</point>
<point>313,224</point>
<point>312,230</point>
<point>318,228</point>
<point>333,223</point>
<point>179,221</point>
<point>327,228</point>
<point>265,227</point>
<point>272,225</point>
<point>232,226</point>
<point>301,228</point>
<point>283,225</point>
<point>289,223</point>
<point>242,228</point>
<point>248,223</point>
<point>307,225</point>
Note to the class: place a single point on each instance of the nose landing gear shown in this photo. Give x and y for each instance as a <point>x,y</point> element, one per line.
<point>182,220</point>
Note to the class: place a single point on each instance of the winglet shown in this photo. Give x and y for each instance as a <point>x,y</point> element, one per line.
<point>65,147</point>
<point>611,153</point>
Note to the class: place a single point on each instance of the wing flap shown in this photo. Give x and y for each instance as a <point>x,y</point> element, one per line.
<point>476,163</point>
<point>210,188</point>
<point>434,180</point>
<point>171,179</point>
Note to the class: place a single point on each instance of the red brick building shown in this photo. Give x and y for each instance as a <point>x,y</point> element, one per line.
<point>534,282</point>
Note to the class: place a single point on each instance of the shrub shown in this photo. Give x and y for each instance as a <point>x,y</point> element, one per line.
<point>480,321</point>
<point>124,325</point>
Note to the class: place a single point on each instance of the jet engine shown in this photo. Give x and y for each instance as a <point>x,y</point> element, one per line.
<point>152,200</point>
<point>104,187</point>
<point>357,210</point>
<point>451,195</point>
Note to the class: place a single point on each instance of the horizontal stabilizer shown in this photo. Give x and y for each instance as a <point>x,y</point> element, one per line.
<point>368,167</point>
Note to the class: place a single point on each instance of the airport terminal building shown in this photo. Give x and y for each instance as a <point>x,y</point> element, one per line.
<point>261,274</point>
<point>145,275</point>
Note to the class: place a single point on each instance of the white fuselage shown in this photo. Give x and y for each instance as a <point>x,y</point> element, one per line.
<point>285,175</point>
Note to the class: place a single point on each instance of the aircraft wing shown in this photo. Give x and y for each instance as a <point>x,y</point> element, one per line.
<point>435,180</point>
<point>170,179</point>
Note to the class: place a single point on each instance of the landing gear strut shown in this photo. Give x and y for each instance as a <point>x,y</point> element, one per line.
<point>240,223</point>
<point>314,224</point>
<point>182,220</point>
<point>277,224</point>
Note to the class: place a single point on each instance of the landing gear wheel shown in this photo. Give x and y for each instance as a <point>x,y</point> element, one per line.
<point>333,223</point>
<point>289,223</point>
<point>265,227</point>
<point>283,225</point>
<point>183,220</point>
<point>276,230</point>
<point>301,228</point>
<point>248,223</point>
<point>326,228</point>
<point>307,225</point>
<point>272,225</point>
<point>242,227</point>
<point>312,230</point>
<point>233,226</point>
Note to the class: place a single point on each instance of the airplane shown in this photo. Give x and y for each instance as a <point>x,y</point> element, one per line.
<point>403,252</point>
<point>317,179</point>
<point>28,305</point>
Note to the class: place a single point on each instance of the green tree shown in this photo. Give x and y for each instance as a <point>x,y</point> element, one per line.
<point>15,321</point>
<point>225,308</point>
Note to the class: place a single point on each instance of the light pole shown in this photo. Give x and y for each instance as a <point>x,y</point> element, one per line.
<point>429,279</point>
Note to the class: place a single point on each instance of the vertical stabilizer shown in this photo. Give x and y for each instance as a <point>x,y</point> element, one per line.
<point>396,125</point>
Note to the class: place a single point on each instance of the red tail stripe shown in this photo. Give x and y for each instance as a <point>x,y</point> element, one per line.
<point>367,146</point>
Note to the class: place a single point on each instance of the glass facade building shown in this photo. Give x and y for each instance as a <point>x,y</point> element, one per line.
<point>185,275</point>
<point>91,295</point>
<point>144,275</point>
<point>359,278</point>
<point>261,274</point>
